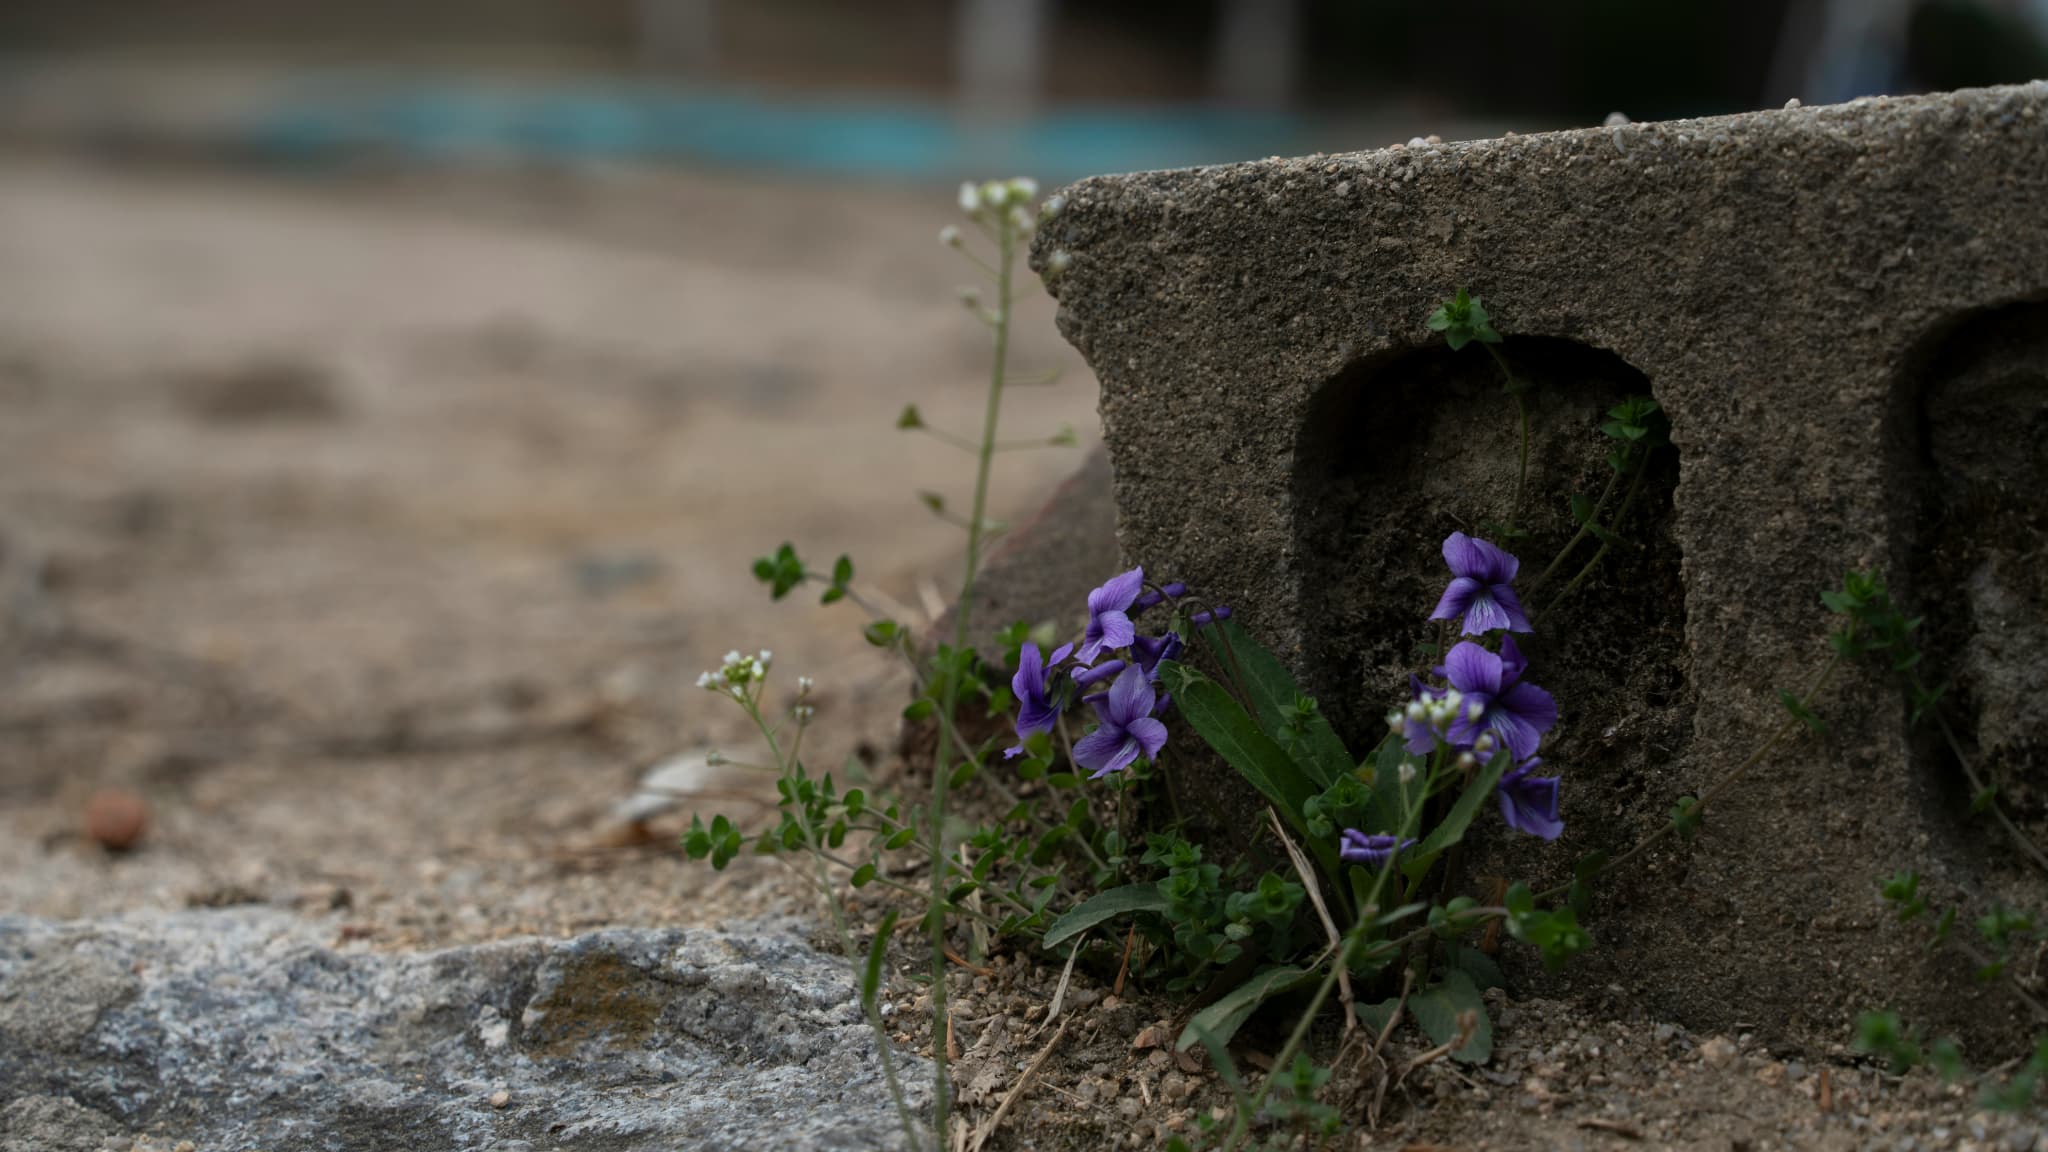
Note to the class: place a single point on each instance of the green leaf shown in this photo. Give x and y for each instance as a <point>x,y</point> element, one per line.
<point>911,417</point>
<point>1417,862</point>
<point>1223,725</point>
<point>933,501</point>
<point>871,976</point>
<point>1483,969</point>
<point>1582,509</point>
<point>1437,1008</point>
<point>1687,817</point>
<point>1273,695</point>
<point>1105,905</point>
<point>842,570</point>
<point>863,875</point>
<point>1221,1020</point>
<point>1376,1016</point>
<point>1800,712</point>
<point>882,633</point>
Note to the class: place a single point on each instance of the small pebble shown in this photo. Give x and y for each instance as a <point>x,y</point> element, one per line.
<point>500,1098</point>
<point>116,818</point>
<point>1717,1051</point>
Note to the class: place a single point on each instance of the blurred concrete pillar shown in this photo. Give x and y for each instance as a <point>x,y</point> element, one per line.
<point>678,37</point>
<point>1836,50</point>
<point>999,52</point>
<point>1257,52</point>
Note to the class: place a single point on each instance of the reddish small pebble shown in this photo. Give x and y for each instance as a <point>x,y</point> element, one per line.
<point>115,818</point>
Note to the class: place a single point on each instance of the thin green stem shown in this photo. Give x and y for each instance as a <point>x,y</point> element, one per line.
<point>1006,247</point>
<point>883,1045</point>
<point>1669,828</point>
<point>2024,842</point>
<point>1635,485</point>
<point>1339,963</point>
<point>1586,529</point>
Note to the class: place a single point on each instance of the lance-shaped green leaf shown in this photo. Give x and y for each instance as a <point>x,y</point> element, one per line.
<point>1221,1020</point>
<point>1416,862</point>
<point>1277,699</point>
<point>1223,724</point>
<point>1106,905</point>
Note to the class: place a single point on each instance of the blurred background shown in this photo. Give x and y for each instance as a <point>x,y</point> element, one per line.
<point>939,88</point>
<point>393,396</point>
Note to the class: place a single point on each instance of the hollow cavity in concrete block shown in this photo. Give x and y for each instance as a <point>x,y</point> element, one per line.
<point>1980,572</point>
<point>1400,451</point>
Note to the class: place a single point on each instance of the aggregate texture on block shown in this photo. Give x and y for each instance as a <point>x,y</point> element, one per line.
<point>246,1030</point>
<point>1840,310</point>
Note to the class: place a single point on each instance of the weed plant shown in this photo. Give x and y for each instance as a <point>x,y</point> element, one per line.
<point>1094,847</point>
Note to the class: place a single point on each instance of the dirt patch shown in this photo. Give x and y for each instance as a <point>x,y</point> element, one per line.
<point>374,531</point>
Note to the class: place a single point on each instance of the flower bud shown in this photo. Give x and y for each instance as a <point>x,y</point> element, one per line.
<point>950,235</point>
<point>970,198</point>
<point>1407,773</point>
<point>1417,711</point>
<point>1394,720</point>
<point>1484,744</point>
<point>1467,762</point>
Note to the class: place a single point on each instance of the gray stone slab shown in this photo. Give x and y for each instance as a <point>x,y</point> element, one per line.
<point>242,1030</point>
<point>1843,310</point>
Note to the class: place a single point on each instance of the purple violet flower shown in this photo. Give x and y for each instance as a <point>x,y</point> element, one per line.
<point>1206,618</point>
<point>1480,590</point>
<point>1529,803</point>
<point>1126,729</point>
<point>1109,625</point>
<point>1034,675</point>
<point>1517,714</point>
<point>1355,847</point>
<point>1150,651</point>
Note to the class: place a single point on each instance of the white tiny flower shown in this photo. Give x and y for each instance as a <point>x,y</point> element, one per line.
<point>1407,772</point>
<point>732,657</point>
<point>970,198</point>
<point>1394,720</point>
<point>950,236</point>
<point>804,684</point>
<point>971,297</point>
<point>1417,711</point>
<point>995,194</point>
<point>1024,188</point>
<point>1484,743</point>
<point>1467,761</point>
<point>1453,699</point>
<point>707,680</point>
<point>767,658</point>
<point>803,713</point>
<point>1020,219</point>
<point>1477,710</point>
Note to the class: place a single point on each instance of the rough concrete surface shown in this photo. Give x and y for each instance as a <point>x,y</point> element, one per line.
<point>243,1030</point>
<point>1793,286</point>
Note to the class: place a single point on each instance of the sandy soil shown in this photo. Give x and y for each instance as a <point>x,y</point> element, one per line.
<point>375,528</point>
